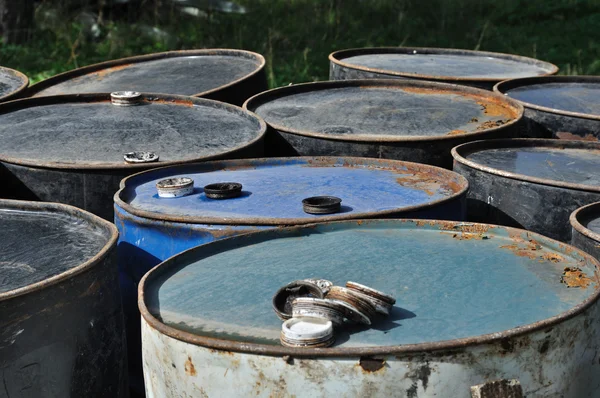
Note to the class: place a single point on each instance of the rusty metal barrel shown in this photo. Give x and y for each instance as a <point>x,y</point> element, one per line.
<point>475,304</point>
<point>271,193</point>
<point>564,107</point>
<point>471,68</point>
<point>392,119</point>
<point>12,83</point>
<point>585,223</point>
<point>61,319</point>
<point>221,74</point>
<point>75,149</point>
<point>529,183</point>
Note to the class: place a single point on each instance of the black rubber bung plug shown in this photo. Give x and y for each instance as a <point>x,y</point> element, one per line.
<point>322,205</point>
<point>223,190</point>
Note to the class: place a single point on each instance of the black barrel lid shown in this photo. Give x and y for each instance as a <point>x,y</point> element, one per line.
<point>47,242</point>
<point>193,72</point>
<point>384,110</point>
<point>577,96</point>
<point>12,83</point>
<point>560,163</point>
<point>442,63</point>
<point>88,131</point>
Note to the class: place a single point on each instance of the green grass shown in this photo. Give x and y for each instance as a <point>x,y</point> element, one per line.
<point>296,36</point>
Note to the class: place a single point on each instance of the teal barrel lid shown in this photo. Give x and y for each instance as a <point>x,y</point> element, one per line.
<point>45,242</point>
<point>273,190</point>
<point>455,284</point>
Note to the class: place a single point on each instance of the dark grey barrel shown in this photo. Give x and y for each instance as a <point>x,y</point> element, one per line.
<point>533,184</point>
<point>565,107</point>
<point>470,68</point>
<point>392,119</point>
<point>70,149</point>
<point>221,74</point>
<point>61,319</point>
<point>585,223</point>
<point>12,83</point>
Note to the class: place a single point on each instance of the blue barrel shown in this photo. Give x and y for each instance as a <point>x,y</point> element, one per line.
<point>153,229</point>
<point>475,304</point>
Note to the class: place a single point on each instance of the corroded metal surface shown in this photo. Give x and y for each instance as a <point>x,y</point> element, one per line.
<point>153,229</point>
<point>226,75</point>
<point>585,223</point>
<point>61,319</point>
<point>520,320</point>
<point>528,183</point>
<point>472,68</point>
<point>565,107</point>
<point>394,119</point>
<point>12,83</point>
<point>70,149</point>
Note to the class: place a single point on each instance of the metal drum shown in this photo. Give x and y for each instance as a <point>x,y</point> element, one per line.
<point>153,229</point>
<point>469,68</point>
<point>393,119</point>
<point>585,223</point>
<point>12,83</point>
<point>61,319</point>
<point>475,304</point>
<point>225,75</point>
<point>529,183</point>
<point>75,149</point>
<point>565,107</point>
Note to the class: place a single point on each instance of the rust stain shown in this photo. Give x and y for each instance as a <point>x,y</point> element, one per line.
<point>426,184</point>
<point>469,236</point>
<point>429,91</point>
<point>574,277</point>
<point>457,132</point>
<point>552,257</point>
<point>370,365</point>
<point>101,74</point>
<point>491,124</point>
<point>565,135</point>
<point>474,120</point>
<point>422,223</point>
<point>189,367</point>
<point>524,247</point>
<point>469,228</point>
<point>493,109</point>
<point>186,103</point>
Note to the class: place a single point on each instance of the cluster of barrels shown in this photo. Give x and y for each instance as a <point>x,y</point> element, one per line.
<point>150,207</point>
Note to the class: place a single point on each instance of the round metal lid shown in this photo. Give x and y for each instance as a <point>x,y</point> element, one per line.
<point>383,110</point>
<point>44,243</point>
<point>89,132</point>
<point>586,220</point>
<point>273,190</point>
<point>12,83</point>
<point>577,96</point>
<point>442,63</point>
<point>194,72</point>
<point>561,163</point>
<point>457,284</point>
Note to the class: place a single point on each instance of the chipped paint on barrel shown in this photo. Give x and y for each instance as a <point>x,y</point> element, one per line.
<point>475,303</point>
<point>585,224</point>
<point>69,149</point>
<point>533,184</point>
<point>471,68</point>
<point>226,75</point>
<point>564,107</point>
<point>61,319</point>
<point>12,83</point>
<point>408,120</point>
<point>153,229</point>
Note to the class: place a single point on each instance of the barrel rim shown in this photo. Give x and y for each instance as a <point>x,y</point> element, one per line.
<point>273,350</point>
<point>259,99</point>
<point>337,57</point>
<point>20,75</point>
<point>577,216</point>
<point>260,221</point>
<point>504,86</point>
<point>65,76</point>
<point>476,146</point>
<point>111,242</point>
<point>174,100</point>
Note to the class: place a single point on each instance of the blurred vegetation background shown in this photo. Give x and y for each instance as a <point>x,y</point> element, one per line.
<point>296,36</point>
